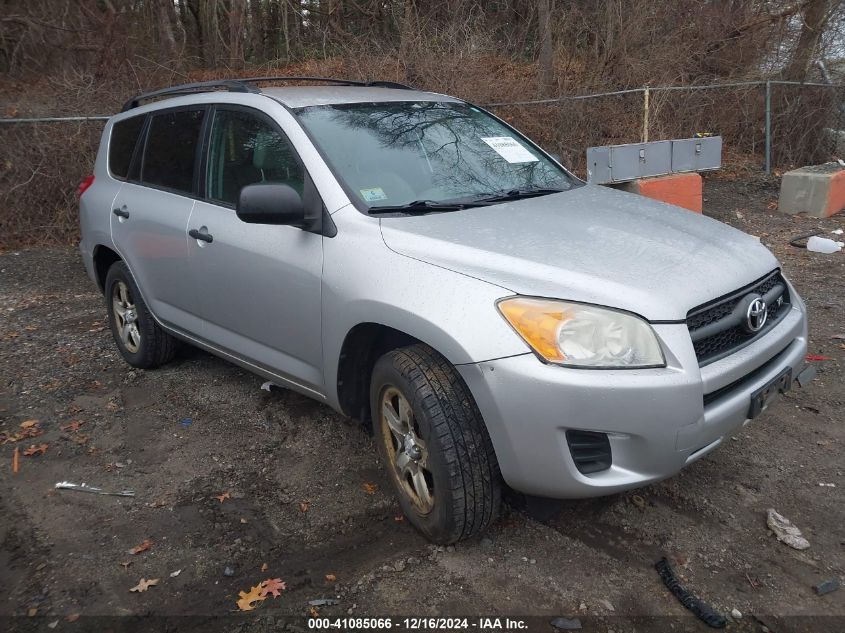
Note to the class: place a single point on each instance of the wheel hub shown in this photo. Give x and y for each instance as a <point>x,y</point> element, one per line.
<point>412,448</point>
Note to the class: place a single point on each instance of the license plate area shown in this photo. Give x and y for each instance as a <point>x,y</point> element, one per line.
<point>761,398</point>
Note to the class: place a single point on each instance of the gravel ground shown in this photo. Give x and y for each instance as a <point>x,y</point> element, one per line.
<point>236,485</point>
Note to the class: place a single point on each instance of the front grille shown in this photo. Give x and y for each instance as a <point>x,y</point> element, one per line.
<point>590,451</point>
<point>717,328</point>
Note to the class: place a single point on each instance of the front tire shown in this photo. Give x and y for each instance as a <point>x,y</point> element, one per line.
<point>434,444</point>
<point>140,340</point>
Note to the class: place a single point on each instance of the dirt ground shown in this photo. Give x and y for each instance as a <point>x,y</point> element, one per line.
<point>304,499</point>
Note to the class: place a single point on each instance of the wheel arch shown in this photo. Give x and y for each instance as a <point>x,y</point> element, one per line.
<point>363,345</point>
<point>104,257</point>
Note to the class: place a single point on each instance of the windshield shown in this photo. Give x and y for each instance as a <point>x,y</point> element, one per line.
<point>395,154</point>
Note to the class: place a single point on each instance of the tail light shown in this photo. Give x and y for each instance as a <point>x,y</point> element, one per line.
<point>83,186</point>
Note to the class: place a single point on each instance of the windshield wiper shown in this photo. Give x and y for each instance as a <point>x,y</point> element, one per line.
<point>424,206</point>
<point>518,194</point>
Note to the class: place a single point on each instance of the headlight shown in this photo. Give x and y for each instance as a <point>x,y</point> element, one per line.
<point>581,335</point>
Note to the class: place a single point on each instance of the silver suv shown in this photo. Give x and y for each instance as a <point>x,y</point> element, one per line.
<point>414,262</point>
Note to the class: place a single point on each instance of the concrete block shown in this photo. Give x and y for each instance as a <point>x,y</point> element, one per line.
<point>818,190</point>
<point>683,190</point>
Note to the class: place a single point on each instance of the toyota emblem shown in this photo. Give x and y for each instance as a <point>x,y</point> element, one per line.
<point>755,316</point>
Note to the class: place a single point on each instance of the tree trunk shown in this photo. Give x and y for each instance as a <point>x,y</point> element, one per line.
<point>256,31</point>
<point>236,36</point>
<point>814,18</point>
<point>544,34</point>
<point>208,28</point>
<point>164,18</point>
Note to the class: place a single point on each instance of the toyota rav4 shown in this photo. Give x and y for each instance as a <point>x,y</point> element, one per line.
<point>412,261</point>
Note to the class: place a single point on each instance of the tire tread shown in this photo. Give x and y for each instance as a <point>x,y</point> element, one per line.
<point>466,445</point>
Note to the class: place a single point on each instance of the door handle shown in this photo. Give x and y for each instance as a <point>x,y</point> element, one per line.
<point>121,213</point>
<point>205,237</point>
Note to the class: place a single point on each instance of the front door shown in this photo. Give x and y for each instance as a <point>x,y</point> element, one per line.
<point>259,284</point>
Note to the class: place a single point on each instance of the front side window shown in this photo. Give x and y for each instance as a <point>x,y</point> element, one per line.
<point>246,150</point>
<point>172,149</point>
<point>124,137</point>
<point>393,154</point>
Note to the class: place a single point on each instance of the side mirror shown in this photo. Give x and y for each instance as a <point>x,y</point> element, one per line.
<point>268,203</point>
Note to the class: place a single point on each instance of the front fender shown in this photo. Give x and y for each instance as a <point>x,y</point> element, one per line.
<point>366,282</point>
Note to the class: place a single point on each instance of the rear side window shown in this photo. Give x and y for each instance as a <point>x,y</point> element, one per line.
<point>124,137</point>
<point>172,149</point>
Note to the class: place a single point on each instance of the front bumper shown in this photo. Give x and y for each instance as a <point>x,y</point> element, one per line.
<point>657,420</point>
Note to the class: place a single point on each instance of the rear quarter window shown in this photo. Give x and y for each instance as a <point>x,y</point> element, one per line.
<point>171,151</point>
<point>124,137</point>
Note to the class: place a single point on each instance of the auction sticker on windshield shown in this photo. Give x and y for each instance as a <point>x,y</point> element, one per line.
<point>509,149</point>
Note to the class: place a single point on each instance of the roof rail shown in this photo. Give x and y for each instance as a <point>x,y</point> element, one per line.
<point>243,85</point>
<point>232,85</point>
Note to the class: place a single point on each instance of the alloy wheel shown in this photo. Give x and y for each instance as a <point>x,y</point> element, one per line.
<point>410,452</point>
<point>126,317</point>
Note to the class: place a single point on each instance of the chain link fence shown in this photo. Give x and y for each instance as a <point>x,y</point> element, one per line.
<point>775,123</point>
<point>783,123</point>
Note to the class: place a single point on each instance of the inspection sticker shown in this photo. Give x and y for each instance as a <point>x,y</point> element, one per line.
<point>374,194</point>
<point>509,149</point>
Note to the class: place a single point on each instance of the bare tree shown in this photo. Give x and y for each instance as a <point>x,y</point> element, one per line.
<point>814,17</point>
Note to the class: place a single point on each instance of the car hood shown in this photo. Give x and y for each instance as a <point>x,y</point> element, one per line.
<point>590,244</point>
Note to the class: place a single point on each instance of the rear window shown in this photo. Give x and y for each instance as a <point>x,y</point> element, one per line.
<point>172,149</point>
<point>124,137</point>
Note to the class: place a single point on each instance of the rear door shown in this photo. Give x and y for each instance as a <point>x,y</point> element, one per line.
<point>151,212</point>
<point>259,284</point>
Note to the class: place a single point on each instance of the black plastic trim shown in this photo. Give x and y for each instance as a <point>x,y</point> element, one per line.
<point>751,376</point>
<point>590,451</point>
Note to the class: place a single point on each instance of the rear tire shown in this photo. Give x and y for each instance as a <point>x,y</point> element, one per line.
<point>434,444</point>
<point>140,340</point>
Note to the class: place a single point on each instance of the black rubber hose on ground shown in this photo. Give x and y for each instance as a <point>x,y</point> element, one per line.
<point>804,236</point>
<point>701,610</point>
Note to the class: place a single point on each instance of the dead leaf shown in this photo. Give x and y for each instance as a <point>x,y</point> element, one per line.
<point>250,598</point>
<point>272,586</point>
<point>28,424</point>
<point>73,617</point>
<point>143,547</point>
<point>32,612</point>
<point>15,461</point>
<point>143,585</point>
<point>73,425</point>
<point>35,450</point>
<point>125,564</point>
<point>264,567</point>
<point>772,205</point>
<point>305,506</point>
<point>330,577</point>
<point>222,497</point>
<point>399,518</point>
<point>369,488</point>
<point>314,612</point>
